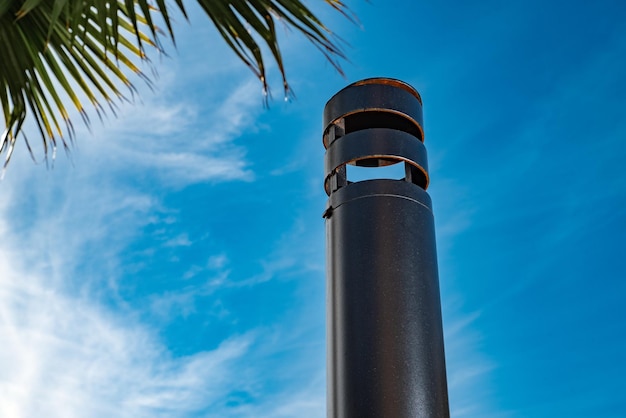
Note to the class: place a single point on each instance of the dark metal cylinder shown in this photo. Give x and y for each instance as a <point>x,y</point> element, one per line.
<point>385,338</point>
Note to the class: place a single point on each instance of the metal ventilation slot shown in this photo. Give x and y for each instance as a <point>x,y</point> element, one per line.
<point>362,171</point>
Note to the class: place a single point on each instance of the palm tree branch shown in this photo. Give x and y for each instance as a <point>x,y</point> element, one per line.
<point>96,43</point>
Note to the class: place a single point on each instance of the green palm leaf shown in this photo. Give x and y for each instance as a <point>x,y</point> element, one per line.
<point>55,52</point>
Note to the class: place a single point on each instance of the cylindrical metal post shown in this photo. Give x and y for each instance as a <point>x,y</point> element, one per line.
<point>385,338</point>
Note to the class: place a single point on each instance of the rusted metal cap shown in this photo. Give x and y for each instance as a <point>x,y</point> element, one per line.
<point>374,123</point>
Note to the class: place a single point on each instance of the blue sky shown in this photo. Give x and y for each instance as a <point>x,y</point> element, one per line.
<point>174,265</point>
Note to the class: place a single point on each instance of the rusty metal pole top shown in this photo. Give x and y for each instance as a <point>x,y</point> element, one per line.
<point>384,118</point>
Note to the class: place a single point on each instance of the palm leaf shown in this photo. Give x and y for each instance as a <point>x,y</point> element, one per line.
<point>56,51</point>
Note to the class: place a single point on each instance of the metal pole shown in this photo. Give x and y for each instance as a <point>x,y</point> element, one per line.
<point>385,338</point>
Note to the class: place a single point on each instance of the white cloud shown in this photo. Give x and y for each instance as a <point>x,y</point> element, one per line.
<point>64,356</point>
<point>179,141</point>
<point>65,352</point>
<point>217,261</point>
<point>182,302</point>
<point>291,255</point>
<point>181,240</point>
<point>468,369</point>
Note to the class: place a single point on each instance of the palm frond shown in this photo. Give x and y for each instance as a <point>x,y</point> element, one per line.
<point>56,53</point>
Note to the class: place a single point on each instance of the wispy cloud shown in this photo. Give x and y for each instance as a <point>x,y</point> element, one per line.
<point>66,349</point>
<point>183,301</point>
<point>468,369</point>
<point>179,141</point>
<point>181,240</point>
<point>66,356</point>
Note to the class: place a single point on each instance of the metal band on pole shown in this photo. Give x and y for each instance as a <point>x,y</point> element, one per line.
<point>385,338</point>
